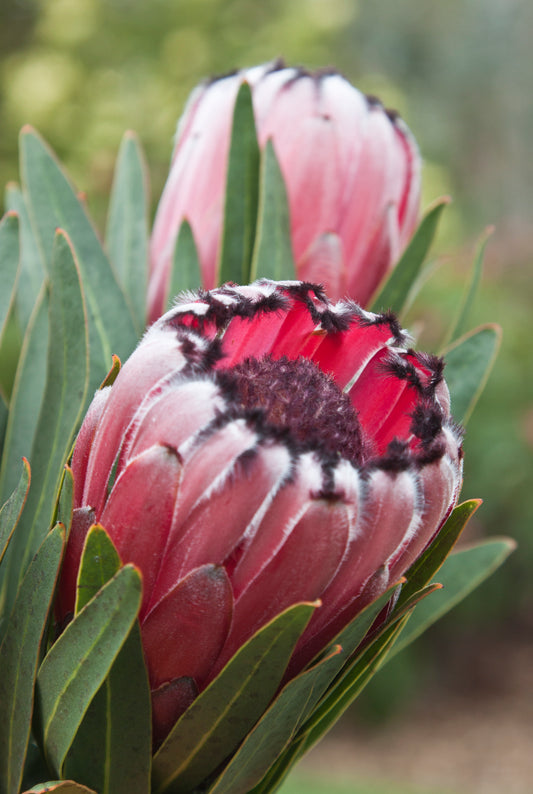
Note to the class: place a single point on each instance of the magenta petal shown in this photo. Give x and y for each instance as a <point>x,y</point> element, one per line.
<point>346,355</point>
<point>246,337</point>
<point>169,701</point>
<point>138,513</point>
<point>184,633</point>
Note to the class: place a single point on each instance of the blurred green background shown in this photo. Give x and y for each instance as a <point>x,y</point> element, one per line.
<point>460,73</point>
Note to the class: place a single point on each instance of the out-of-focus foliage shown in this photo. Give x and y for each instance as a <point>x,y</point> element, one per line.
<point>460,72</point>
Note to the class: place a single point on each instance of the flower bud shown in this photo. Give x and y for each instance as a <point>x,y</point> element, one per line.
<point>261,447</point>
<point>352,171</point>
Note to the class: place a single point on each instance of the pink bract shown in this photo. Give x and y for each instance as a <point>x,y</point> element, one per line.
<point>262,447</point>
<point>352,171</point>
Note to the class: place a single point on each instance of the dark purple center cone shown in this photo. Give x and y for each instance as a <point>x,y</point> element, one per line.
<point>298,396</point>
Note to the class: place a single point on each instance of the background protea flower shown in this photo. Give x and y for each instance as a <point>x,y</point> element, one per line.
<point>351,168</point>
<point>260,448</point>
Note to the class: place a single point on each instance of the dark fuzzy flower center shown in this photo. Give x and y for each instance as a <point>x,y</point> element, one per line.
<point>298,396</point>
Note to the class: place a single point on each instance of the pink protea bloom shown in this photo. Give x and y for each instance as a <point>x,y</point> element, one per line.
<point>352,171</point>
<point>261,447</point>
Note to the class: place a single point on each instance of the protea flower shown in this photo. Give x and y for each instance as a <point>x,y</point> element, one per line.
<point>351,168</point>
<point>261,447</point>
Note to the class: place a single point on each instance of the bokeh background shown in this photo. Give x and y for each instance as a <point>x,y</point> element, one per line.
<point>454,714</point>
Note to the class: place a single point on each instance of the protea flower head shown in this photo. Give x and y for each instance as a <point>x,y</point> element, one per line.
<point>352,171</point>
<point>261,447</point>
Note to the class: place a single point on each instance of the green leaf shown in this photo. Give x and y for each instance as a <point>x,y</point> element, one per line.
<point>32,270</point>
<point>61,786</point>
<point>65,499</point>
<point>11,510</point>
<point>77,664</point>
<point>52,204</point>
<point>242,194</point>
<point>4,411</point>
<point>297,701</point>
<point>272,257</point>
<point>468,365</point>
<point>394,293</point>
<point>459,326</point>
<point>112,375</point>
<point>352,635</point>
<point>99,563</point>
<point>276,728</point>
<point>26,397</point>
<point>127,226</point>
<point>427,565</point>
<point>64,399</point>
<point>9,264</point>
<point>460,573</point>
<point>112,749</point>
<point>353,682</point>
<point>223,714</point>
<point>185,272</point>
<point>280,769</point>
<point>19,654</point>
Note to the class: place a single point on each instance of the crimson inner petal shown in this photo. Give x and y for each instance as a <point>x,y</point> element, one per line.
<point>298,396</point>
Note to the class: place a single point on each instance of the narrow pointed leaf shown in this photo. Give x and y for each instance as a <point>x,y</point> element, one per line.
<point>280,769</point>
<point>395,291</point>
<point>461,572</point>
<point>11,510</point>
<point>77,664</point>
<point>222,715</point>
<point>272,256</point>
<point>61,409</point>
<point>185,273</point>
<point>354,633</point>
<point>468,365</point>
<point>111,376</point>
<point>274,731</point>
<point>26,397</point>
<point>242,193</point>
<point>364,662</point>
<point>427,565</point>
<point>278,726</point>
<point>459,326</point>
<point>3,422</point>
<point>340,697</point>
<point>111,751</point>
<point>99,563</point>
<point>65,500</point>
<point>61,786</point>
<point>9,264</point>
<point>127,226</point>
<point>19,654</point>
<point>53,203</point>
<point>32,270</point>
